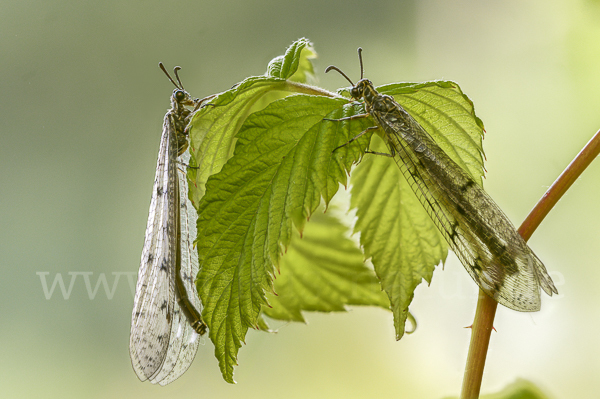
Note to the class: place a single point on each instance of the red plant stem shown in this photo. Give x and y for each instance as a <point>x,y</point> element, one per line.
<point>560,186</point>
<point>486,306</point>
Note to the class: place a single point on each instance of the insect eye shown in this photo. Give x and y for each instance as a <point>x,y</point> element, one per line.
<point>179,95</point>
<point>356,92</point>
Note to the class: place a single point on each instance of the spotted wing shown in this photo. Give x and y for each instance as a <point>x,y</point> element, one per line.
<point>476,229</point>
<point>184,339</point>
<point>154,315</point>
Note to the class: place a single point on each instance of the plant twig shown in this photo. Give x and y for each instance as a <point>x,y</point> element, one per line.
<point>480,339</point>
<point>486,306</point>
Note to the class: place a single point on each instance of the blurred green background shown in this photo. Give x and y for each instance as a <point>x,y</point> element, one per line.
<point>82,102</point>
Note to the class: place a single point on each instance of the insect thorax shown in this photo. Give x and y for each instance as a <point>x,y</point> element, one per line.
<point>375,101</point>
<point>180,115</point>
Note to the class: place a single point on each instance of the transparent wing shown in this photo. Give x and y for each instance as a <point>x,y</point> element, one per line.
<point>477,230</point>
<point>153,311</point>
<point>174,348</point>
<point>184,339</point>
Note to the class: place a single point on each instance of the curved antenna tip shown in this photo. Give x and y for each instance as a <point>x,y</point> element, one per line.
<point>162,67</point>
<point>175,70</point>
<point>362,69</point>
<point>331,67</point>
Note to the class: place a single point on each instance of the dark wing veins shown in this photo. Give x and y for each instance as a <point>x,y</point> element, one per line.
<point>476,229</point>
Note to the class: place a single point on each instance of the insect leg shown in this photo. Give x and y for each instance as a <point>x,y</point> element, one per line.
<point>348,118</point>
<point>355,137</point>
<point>187,166</point>
<point>202,102</point>
<point>379,153</point>
<point>392,153</point>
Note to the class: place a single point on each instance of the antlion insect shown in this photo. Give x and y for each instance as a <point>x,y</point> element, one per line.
<point>166,320</point>
<point>476,229</point>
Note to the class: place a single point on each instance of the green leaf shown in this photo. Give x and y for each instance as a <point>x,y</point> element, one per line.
<point>283,166</point>
<point>448,115</point>
<point>282,169</point>
<point>295,65</point>
<point>323,271</point>
<point>213,128</point>
<point>213,132</point>
<point>396,231</point>
<point>263,325</point>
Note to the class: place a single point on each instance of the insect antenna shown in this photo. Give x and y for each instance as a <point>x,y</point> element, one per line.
<point>362,70</point>
<point>330,67</point>
<point>179,86</point>
<point>175,70</point>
